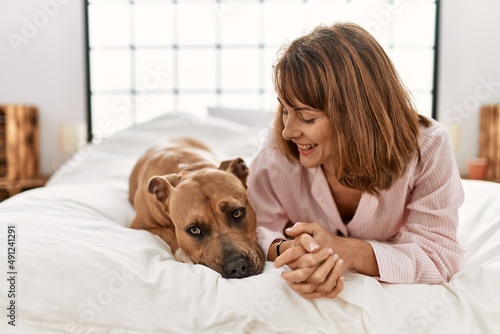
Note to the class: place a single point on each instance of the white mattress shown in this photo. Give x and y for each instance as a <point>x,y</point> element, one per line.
<point>81,270</point>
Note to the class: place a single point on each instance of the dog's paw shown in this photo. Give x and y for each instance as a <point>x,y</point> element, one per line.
<point>181,256</point>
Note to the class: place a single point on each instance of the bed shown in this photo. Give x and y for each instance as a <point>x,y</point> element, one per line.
<point>78,268</point>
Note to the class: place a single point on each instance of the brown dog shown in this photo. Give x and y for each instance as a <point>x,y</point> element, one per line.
<point>201,211</point>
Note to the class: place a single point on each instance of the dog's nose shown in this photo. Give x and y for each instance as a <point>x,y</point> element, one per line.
<point>236,266</point>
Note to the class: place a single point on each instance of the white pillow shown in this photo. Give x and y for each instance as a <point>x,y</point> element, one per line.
<point>250,117</point>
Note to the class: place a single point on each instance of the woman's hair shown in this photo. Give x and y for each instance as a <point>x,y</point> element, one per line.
<point>343,71</point>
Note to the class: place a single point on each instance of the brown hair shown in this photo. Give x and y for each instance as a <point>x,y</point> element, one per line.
<point>343,71</point>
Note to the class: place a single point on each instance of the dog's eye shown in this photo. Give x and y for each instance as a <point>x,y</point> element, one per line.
<point>238,213</point>
<point>195,231</point>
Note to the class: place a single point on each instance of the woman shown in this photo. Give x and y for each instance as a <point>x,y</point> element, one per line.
<point>367,183</point>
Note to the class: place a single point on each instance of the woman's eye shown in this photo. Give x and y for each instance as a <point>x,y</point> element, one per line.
<point>195,230</point>
<point>307,121</point>
<point>238,213</point>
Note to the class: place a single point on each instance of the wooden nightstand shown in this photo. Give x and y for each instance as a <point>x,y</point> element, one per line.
<point>19,149</point>
<point>489,140</point>
<point>10,188</point>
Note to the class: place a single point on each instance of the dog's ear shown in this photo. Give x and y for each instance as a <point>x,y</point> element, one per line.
<point>162,186</point>
<point>237,167</point>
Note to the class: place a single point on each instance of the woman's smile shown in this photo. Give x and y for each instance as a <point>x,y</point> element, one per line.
<point>306,149</point>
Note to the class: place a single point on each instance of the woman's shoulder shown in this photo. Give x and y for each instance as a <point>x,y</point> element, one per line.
<point>432,134</point>
<point>435,146</point>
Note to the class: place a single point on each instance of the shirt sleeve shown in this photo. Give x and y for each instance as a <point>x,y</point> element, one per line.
<point>271,217</point>
<point>426,249</point>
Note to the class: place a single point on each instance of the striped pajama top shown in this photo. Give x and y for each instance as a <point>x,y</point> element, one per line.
<point>411,227</point>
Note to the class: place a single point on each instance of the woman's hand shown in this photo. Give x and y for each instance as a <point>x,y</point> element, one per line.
<point>321,235</point>
<point>357,254</point>
<point>316,271</point>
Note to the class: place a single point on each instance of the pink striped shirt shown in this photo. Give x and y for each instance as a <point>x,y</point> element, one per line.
<point>411,226</point>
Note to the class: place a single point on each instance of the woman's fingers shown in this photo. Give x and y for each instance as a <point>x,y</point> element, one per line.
<point>338,288</point>
<point>300,227</point>
<point>325,271</point>
<point>307,241</point>
<point>307,259</point>
<point>330,281</point>
<point>305,244</point>
<point>310,291</point>
<point>304,288</point>
<point>298,275</point>
<point>290,255</point>
<point>318,264</point>
<point>322,281</point>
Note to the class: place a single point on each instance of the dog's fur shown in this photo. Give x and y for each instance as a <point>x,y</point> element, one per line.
<point>202,211</point>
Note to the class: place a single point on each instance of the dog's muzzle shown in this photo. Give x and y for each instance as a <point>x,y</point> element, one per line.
<point>239,265</point>
<point>236,266</point>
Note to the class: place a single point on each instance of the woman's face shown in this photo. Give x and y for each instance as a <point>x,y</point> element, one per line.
<point>310,130</point>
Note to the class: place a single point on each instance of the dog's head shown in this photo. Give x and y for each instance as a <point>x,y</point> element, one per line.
<point>215,223</point>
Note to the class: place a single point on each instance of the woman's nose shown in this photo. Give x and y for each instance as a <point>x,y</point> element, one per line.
<point>290,129</point>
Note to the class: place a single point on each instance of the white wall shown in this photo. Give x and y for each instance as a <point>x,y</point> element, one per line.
<point>469,68</point>
<point>45,66</point>
<point>48,70</point>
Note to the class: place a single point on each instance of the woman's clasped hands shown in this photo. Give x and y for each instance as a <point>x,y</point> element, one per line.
<point>316,271</point>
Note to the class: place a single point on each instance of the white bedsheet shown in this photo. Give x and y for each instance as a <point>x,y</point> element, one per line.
<point>81,270</point>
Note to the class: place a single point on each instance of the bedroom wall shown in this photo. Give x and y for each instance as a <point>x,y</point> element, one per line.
<point>42,63</point>
<point>469,69</point>
<point>48,67</point>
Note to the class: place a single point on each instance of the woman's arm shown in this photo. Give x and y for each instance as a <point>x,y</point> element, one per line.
<point>426,249</point>
<point>357,254</point>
